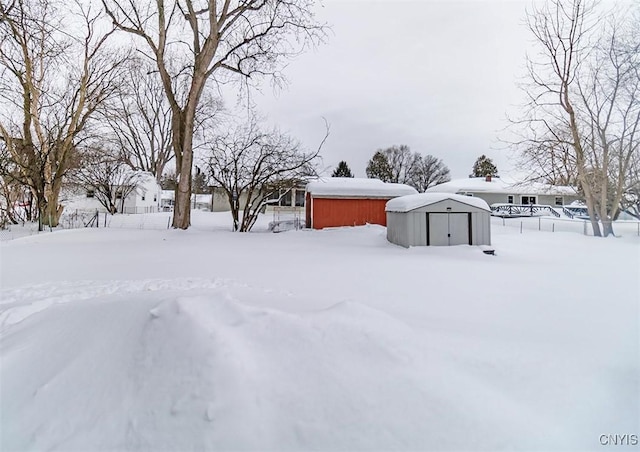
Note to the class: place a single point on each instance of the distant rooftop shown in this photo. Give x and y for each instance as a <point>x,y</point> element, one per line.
<point>360,187</point>
<point>501,185</point>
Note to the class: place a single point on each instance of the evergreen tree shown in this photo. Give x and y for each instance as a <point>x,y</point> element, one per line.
<point>484,167</point>
<point>342,170</point>
<point>379,167</point>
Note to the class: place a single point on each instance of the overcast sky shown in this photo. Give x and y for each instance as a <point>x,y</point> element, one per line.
<point>438,76</point>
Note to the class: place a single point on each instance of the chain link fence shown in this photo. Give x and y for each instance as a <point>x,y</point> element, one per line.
<point>549,224</point>
<point>79,219</point>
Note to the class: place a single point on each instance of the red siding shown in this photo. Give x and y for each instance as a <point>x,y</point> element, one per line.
<point>348,212</point>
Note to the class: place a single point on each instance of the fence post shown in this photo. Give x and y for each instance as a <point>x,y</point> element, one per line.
<point>97,219</point>
<point>521,227</point>
<point>553,227</point>
<point>584,227</point>
<point>168,222</point>
<point>503,222</point>
<point>539,223</point>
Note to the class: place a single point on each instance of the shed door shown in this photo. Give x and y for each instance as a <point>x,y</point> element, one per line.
<point>448,229</point>
<point>458,229</point>
<point>438,229</point>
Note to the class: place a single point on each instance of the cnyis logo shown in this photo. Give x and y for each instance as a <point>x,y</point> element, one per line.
<point>619,440</point>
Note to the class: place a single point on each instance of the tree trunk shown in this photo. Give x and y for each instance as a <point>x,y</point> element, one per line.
<point>605,219</point>
<point>51,211</point>
<point>183,125</point>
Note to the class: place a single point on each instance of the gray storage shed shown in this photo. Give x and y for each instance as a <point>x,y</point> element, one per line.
<point>438,219</point>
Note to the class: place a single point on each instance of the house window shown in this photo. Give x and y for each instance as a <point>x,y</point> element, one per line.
<point>510,199</point>
<point>91,193</point>
<point>299,198</point>
<point>285,200</point>
<point>155,198</point>
<point>143,196</point>
<point>526,200</point>
<point>559,201</point>
<point>119,193</point>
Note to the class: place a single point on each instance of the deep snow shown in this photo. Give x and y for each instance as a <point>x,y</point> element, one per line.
<point>204,339</point>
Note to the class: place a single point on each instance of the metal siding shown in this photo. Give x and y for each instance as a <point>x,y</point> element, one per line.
<point>330,212</point>
<point>397,229</point>
<point>419,226</point>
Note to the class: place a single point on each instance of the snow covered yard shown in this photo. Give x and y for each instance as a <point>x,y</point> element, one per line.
<point>116,339</point>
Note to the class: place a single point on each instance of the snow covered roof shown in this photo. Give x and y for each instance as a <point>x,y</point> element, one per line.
<point>411,202</point>
<point>358,187</point>
<point>501,185</point>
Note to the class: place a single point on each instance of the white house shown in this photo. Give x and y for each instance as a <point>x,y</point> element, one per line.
<point>494,190</point>
<point>144,198</point>
<point>143,195</point>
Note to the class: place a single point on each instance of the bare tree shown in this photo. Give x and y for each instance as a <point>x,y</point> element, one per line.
<point>393,164</point>
<point>609,103</point>
<point>548,160</point>
<point>251,164</point>
<point>583,101</point>
<point>192,41</point>
<point>427,172</point>
<point>52,83</point>
<point>397,164</point>
<point>140,119</point>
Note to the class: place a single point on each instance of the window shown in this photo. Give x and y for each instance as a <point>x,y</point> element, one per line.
<point>285,200</point>
<point>155,198</point>
<point>299,198</point>
<point>510,199</point>
<point>559,201</point>
<point>143,196</point>
<point>91,193</point>
<point>526,200</point>
<point>119,193</point>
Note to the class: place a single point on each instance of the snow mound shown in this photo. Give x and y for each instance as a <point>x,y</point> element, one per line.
<point>142,370</point>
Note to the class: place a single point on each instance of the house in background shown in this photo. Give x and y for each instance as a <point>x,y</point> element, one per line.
<point>143,198</point>
<point>494,190</point>
<point>142,194</point>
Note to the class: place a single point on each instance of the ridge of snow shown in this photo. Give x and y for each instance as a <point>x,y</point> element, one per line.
<point>411,202</point>
<point>499,185</point>
<point>358,187</point>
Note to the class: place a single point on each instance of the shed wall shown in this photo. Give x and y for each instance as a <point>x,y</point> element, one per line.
<point>398,228</point>
<point>332,212</point>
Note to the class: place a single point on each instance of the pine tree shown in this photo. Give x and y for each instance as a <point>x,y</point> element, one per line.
<point>484,167</point>
<point>342,170</point>
<point>379,167</point>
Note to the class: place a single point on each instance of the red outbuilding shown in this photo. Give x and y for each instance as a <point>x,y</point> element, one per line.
<point>342,201</point>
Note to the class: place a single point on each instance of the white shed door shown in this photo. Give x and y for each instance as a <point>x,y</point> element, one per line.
<point>458,229</point>
<point>448,229</point>
<point>438,229</point>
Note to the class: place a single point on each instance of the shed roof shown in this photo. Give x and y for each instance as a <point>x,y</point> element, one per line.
<point>412,202</point>
<point>358,187</point>
<point>502,186</point>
